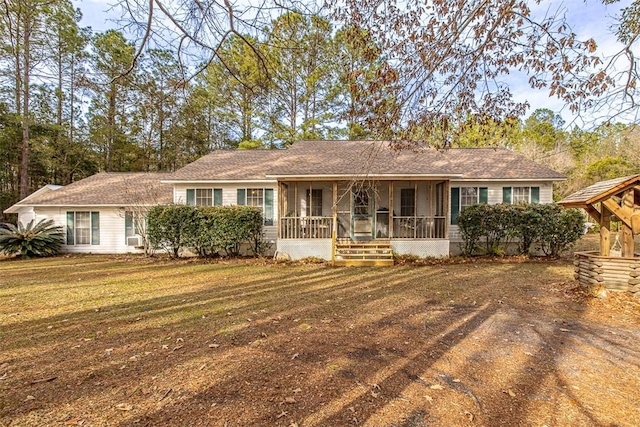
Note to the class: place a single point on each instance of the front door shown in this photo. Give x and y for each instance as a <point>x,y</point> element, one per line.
<point>362,218</point>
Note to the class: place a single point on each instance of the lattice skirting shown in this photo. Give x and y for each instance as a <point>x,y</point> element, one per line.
<point>422,248</point>
<point>304,248</point>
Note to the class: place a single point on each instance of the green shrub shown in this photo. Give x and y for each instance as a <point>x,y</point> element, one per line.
<point>39,240</point>
<point>527,222</point>
<point>224,228</point>
<point>171,227</point>
<point>562,228</point>
<point>471,228</point>
<point>209,230</point>
<point>548,226</point>
<point>498,227</point>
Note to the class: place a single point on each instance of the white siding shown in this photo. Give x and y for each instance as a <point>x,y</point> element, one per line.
<point>494,190</point>
<point>25,215</point>
<point>112,233</point>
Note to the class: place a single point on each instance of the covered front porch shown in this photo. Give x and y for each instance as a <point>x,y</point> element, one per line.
<point>409,216</point>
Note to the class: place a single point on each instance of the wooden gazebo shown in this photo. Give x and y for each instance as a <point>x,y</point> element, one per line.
<point>618,199</point>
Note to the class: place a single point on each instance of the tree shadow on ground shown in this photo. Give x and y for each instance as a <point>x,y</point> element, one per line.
<point>441,345</point>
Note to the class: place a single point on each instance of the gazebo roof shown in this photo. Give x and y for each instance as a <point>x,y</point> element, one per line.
<point>600,191</point>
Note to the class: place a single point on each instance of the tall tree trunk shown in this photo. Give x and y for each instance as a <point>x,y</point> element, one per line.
<point>111,123</point>
<point>59,132</point>
<point>160,166</point>
<point>72,83</point>
<point>18,70</point>
<point>293,112</point>
<point>24,163</point>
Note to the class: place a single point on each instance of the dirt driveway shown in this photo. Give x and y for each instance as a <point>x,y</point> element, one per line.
<point>129,341</point>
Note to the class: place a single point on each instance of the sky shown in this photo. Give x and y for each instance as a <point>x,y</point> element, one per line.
<point>587,18</point>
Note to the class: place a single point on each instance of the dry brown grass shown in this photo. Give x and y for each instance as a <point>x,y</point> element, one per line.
<point>119,341</point>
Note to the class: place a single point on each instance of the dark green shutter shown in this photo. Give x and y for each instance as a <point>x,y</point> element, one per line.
<point>535,194</point>
<point>455,205</point>
<point>217,197</point>
<point>242,196</point>
<point>95,228</point>
<point>484,195</point>
<point>191,197</point>
<point>506,194</point>
<point>70,228</point>
<point>268,206</point>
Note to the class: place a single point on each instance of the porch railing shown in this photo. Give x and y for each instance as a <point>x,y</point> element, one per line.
<point>419,227</point>
<point>404,227</point>
<point>307,227</point>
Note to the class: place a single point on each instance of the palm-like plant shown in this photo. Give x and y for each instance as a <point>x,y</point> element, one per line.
<point>41,239</point>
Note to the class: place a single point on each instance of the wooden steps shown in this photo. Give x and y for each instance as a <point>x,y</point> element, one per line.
<point>364,254</point>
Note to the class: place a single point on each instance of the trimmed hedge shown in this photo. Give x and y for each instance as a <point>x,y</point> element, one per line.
<point>209,230</point>
<point>224,228</point>
<point>545,227</point>
<point>171,227</point>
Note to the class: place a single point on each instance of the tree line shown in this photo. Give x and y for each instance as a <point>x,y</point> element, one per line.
<point>74,102</point>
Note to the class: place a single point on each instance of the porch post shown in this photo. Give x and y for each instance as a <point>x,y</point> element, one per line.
<point>432,220</point>
<point>334,226</point>
<point>280,209</point>
<point>415,209</point>
<point>295,200</point>
<point>390,209</point>
<point>447,208</point>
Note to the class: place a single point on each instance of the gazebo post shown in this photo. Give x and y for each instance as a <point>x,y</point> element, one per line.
<point>605,234</point>
<point>627,233</point>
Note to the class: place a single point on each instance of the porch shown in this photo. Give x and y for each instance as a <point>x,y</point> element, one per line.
<point>319,217</point>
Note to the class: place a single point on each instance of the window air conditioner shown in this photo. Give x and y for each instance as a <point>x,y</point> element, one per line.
<point>134,241</point>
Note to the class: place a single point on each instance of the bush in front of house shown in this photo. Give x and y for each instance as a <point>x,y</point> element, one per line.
<point>545,227</point>
<point>491,224</point>
<point>225,228</point>
<point>561,229</point>
<point>528,221</point>
<point>171,227</point>
<point>208,230</point>
<point>33,240</point>
<point>472,227</point>
<point>498,224</point>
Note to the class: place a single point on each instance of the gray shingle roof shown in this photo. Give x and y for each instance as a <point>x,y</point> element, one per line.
<point>346,159</point>
<point>229,165</point>
<point>498,163</point>
<point>108,189</point>
<point>361,158</point>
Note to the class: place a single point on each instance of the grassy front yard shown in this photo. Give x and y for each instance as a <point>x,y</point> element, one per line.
<point>131,341</point>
